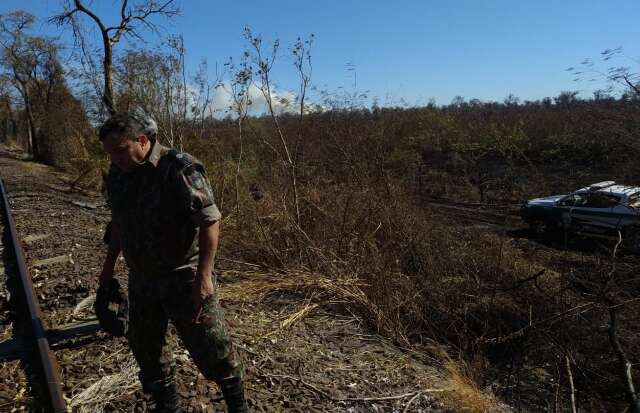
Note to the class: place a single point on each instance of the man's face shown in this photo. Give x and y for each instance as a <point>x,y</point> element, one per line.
<point>125,153</point>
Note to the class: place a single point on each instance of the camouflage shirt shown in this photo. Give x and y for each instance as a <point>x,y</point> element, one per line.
<point>158,208</point>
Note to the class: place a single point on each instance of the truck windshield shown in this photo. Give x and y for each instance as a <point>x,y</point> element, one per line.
<point>573,200</point>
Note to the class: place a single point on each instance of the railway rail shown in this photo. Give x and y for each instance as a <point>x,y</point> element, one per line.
<point>49,364</point>
<point>28,314</point>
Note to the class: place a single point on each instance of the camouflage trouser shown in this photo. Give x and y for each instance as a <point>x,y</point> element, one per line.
<point>153,301</point>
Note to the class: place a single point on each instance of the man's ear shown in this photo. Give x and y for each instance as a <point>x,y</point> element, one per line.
<point>143,139</point>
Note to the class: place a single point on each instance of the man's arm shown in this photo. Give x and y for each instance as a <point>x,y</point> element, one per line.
<point>203,287</point>
<point>194,190</point>
<point>112,255</point>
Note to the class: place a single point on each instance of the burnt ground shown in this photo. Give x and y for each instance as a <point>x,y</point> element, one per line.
<point>298,357</point>
<point>530,372</point>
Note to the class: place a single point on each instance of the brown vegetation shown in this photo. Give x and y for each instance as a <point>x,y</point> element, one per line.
<point>509,309</point>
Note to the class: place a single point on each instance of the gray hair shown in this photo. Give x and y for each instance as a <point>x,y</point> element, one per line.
<point>129,125</point>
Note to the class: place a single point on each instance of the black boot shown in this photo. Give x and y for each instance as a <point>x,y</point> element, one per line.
<point>233,392</point>
<point>167,400</point>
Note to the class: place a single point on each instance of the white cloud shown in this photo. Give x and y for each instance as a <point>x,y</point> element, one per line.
<point>222,102</point>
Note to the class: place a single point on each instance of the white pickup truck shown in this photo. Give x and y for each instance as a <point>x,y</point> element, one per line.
<point>601,209</point>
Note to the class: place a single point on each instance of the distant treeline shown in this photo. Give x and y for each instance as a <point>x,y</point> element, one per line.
<point>498,151</point>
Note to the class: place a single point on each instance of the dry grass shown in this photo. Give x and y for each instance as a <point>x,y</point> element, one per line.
<point>256,285</point>
<point>84,309</point>
<point>99,395</point>
<point>452,382</point>
<point>298,315</point>
<point>317,288</point>
<point>465,395</point>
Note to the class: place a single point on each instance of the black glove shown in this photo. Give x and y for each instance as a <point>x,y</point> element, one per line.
<point>112,308</point>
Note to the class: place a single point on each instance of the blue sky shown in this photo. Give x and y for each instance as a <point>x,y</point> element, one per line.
<point>409,50</point>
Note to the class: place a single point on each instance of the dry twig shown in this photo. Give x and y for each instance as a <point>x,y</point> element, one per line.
<point>573,389</point>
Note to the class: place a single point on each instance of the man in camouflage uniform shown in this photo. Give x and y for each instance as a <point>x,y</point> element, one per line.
<point>166,224</point>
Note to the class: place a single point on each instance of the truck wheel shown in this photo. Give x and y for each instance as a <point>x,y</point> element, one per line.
<point>631,239</point>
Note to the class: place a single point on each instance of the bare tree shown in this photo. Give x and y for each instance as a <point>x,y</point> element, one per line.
<point>13,42</point>
<point>240,84</point>
<point>176,99</point>
<point>153,81</point>
<point>302,62</point>
<point>264,65</point>
<point>6,108</point>
<point>132,17</point>
<point>617,76</point>
<point>32,65</point>
<point>206,90</point>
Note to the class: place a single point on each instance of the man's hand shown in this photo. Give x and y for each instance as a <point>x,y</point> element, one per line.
<point>203,289</point>
<point>203,286</point>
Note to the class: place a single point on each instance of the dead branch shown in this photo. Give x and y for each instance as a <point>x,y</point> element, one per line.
<point>130,18</point>
<point>406,408</point>
<point>520,283</point>
<point>584,307</point>
<point>623,360</point>
<point>632,86</point>
<point>400,396</point>
<point>622,304</point>
<point>572,387</point>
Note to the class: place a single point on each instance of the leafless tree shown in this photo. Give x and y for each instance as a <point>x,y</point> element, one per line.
<point>32,65</point>
<point>176,91</point>
<point>240,84</point>
<point>263,66</point>
<point>6,107</point>
<point>302,62</point>
<point>133,17</point>
<point>203,100</point>
<point>153,81</point>
<point>624,76</point>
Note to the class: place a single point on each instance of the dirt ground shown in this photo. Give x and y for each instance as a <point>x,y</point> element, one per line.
<point>298,357</point>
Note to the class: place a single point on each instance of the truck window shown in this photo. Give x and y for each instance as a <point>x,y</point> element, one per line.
<point>601,200</point>
<point>573,200</point>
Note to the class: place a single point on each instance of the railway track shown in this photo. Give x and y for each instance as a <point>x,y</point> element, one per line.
<point>29,330</point>
<point>49,364</point>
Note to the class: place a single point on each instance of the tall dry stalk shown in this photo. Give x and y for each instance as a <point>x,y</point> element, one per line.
<point>264,65</point>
